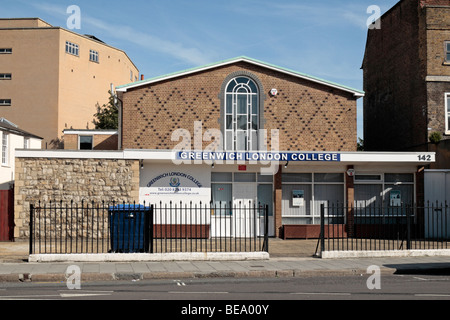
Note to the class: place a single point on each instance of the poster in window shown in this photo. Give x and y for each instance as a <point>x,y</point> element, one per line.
<point>298,198</point>
<point>396,198</point>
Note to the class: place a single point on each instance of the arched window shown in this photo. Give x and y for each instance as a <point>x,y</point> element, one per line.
<point>241,115</point>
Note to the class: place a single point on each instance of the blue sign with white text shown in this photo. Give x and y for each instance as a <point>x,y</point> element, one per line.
<point>259,156</point>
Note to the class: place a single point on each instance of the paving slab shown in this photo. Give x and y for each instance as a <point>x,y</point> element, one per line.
<point>288,259</point>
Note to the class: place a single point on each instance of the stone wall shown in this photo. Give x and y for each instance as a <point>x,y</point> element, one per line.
<point>43,179</point>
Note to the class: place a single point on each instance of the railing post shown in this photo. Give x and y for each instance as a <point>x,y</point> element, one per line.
<point>408,228</point>
<point>149,229</point>
<point>31,228</point>
<point>266,228</point>
<point>322,229</point>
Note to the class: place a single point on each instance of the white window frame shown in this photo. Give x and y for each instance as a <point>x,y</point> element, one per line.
<point>314,214</point>
<point>250,145</point>
<point>5,149</point>
<point>94,56</point>
<point>382,182</point>
<point>26,143</point>
<point>72,48</point>
<point>86,135</point>
<point>447,113</point>
<point>446,51</point>
<point>5,51</point>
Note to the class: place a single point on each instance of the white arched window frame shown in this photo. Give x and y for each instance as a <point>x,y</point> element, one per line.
<point>241,115</point>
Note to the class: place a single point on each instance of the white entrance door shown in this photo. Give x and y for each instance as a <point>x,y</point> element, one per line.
<point>244,224</point>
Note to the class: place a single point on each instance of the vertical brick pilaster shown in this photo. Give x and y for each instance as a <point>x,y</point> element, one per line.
<point>350,191</point>
<point>277,203</point>
<point>420,198</point>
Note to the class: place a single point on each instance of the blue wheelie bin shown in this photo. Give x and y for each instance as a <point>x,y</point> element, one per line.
<point>129,228</point>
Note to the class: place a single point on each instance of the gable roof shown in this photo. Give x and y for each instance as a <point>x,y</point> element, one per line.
<point>10,127</point>
<point>125,88</point>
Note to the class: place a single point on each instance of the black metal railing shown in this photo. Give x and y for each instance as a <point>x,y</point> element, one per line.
<point>182,227</point>
<point>64,228</point>
<point>371,227</point>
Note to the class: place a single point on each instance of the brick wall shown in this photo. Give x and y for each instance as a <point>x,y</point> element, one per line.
<point>436,106</point>
<point>101,142</point>
<point>406,76</point>
<point>71,142</point>
<point>434,3</point>
<point>106,142</point>
<point>438,31</point>
<point>71,180</point>
<point>309,116</point>
<point>394,73</point>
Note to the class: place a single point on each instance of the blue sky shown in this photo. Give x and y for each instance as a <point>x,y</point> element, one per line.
<point>323,38</point>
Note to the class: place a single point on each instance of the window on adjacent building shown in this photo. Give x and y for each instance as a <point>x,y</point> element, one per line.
<point>72,48</point>
<point>5,148</point>
<point>5,50</point>
<point>86,142</point>
<point>447,113</point>
<point>241,115</point>
<point>26,143</point>
<point>447,51</point>
<point>5,76</point>
<point>93,56</point>
<point>5,102</point>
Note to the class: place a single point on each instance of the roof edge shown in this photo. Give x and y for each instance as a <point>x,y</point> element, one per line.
<point>126,87</point>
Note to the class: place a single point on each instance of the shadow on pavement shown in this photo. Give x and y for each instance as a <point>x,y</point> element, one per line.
<point>441,269</point>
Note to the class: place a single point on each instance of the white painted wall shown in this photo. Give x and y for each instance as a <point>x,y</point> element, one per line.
<point>7,171</point>
<point>156,185</point>
<point>437,194</point>
<point>437,186</point>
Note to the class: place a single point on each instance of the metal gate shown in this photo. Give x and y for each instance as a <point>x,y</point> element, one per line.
<point>6,215</point>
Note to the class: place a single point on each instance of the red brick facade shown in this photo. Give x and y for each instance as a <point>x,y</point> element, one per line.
<point>406,76</point>
<point>309,115</point>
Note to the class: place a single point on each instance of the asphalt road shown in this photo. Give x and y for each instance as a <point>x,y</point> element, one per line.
<point>197,291</point>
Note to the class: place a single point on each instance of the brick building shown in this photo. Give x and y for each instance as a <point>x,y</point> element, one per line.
<point>407,80</point>
<point>314,115</point>
<point>91,139</point>
<point>210,122</point>
<point>239,132</point>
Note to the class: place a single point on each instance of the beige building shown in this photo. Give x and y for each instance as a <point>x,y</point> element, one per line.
<point>51,79</point>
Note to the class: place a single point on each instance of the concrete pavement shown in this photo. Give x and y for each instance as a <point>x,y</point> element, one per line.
<point>288,258</point>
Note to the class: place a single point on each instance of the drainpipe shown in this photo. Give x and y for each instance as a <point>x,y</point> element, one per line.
<point>118,105</point>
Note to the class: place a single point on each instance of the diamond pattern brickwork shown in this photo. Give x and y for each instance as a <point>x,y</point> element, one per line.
<point>309,116</point>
